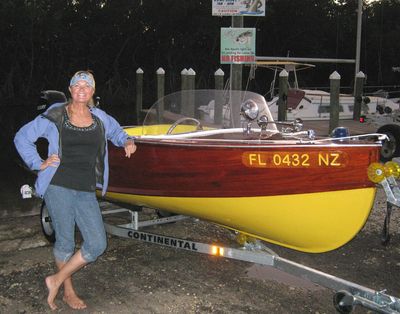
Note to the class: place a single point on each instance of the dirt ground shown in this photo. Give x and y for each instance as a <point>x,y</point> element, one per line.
<point>135,277</point>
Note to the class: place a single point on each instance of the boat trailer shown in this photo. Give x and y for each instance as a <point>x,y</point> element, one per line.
<point>347,294</point>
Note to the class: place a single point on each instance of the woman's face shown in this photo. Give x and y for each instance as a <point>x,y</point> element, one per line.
<point>81,92</point>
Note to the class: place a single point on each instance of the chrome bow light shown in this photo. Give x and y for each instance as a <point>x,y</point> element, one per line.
<point>249,110</point>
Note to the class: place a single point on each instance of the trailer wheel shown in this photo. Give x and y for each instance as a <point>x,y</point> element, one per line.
<point>45,221</point>
<point>343,301</point>
<point>390,148</point>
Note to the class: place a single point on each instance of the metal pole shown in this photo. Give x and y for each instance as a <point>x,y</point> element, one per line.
<point>313,60</point>
<point>358,41</point>
<point>236,79</point>
<point>236,69</point>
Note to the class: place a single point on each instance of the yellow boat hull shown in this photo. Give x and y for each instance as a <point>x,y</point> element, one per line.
<point>311,222</point>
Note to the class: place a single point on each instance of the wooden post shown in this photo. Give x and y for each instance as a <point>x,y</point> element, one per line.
<point>334,101</point>
<point>184,75</point>
<point>219,79</point>
<point>160,93</point>
<point>283,94</point>
<point>139,95</point>
<point>358,92</point>
<point>218,100</point>
<point>184,86</point>
<point>191,79</point>
<point>188,107</point>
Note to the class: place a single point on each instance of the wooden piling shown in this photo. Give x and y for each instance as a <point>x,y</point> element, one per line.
<point>358,93</point>
<point>188,107</point>
<point>139,95</point>
<point>160,93</point>
<point>184,76</point>
<point>283,94</point>
<point>334,100</point>
<point>218,105</point>
<point>219,79</point>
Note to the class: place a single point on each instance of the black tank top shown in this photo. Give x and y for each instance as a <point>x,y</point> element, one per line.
<point>80,147</point>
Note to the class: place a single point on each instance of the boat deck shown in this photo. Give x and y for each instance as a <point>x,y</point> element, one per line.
<point>321,127</point>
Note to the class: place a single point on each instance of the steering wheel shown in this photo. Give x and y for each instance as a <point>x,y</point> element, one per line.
<point>179,121</point>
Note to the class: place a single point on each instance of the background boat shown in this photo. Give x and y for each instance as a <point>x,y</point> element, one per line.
<point>314,104</point>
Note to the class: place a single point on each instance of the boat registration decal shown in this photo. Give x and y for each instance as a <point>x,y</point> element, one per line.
<point>282,159</point>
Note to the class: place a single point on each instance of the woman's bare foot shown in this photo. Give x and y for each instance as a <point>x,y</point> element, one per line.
<point>53,287</point>
<point>74,301</point>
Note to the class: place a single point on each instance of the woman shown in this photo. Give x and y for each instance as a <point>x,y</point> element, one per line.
<point>77,163</point>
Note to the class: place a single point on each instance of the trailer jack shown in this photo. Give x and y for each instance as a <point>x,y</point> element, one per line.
<point>387,175</point>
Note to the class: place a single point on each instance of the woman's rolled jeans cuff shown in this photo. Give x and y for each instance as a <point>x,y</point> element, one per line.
<point>67,207</point>
<point>91,256</point>
<point>88,257</point>
<point>62,256</point>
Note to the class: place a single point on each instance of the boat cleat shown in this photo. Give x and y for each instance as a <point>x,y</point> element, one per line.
<point>248,242</point>
<point>242,238</point>
<point>252,244</point>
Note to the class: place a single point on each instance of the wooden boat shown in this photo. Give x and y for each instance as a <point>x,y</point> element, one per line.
<point>265,179</point>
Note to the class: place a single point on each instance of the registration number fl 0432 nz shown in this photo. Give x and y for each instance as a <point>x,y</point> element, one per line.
<point>314,159</point>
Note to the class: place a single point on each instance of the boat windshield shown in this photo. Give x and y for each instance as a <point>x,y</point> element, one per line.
<point>197,110</point>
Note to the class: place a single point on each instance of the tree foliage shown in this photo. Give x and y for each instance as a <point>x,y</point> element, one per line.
<point>43,42</point>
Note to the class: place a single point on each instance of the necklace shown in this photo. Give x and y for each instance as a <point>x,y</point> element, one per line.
<point>79,118</point>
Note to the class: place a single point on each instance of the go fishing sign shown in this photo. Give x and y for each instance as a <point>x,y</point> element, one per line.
<point>238,45</point>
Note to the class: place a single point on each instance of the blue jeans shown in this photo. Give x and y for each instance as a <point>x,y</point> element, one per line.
<point>68,207</point>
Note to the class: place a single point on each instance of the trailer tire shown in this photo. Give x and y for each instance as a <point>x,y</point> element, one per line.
<point>390,148</point>
<point>46,224</point>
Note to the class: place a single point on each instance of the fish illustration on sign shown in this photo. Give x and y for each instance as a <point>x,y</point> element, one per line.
<point>244,38</point>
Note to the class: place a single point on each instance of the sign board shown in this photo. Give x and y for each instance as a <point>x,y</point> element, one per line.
<point>238,45</point>
<point>238,7</point>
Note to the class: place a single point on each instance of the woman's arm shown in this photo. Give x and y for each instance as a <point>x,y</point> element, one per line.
<point>26,138</point>
<point>115,133</point>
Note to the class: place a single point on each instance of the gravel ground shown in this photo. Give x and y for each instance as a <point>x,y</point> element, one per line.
<point>136,277</point>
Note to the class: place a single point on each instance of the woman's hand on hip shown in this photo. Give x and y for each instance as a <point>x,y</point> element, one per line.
<point>51,161</point>
<point>130,148</point>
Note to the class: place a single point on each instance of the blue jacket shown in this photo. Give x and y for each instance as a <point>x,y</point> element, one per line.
<point>48,125</point>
